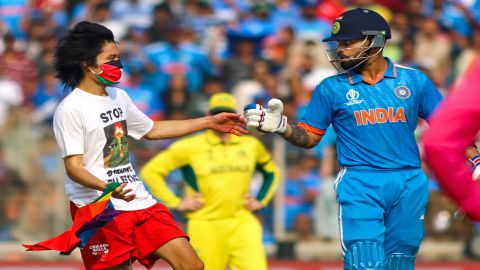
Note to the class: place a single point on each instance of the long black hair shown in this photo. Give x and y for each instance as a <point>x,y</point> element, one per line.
<point>82,43</point>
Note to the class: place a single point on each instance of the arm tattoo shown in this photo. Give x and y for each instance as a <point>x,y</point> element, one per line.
<point>299,137</point>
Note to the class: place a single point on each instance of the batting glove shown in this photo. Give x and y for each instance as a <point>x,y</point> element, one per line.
<point>475,161</point>
<point>265,120</point>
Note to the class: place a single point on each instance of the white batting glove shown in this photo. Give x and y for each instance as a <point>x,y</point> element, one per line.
<point>476,173</point>
<point>475,161</point>
<point>265,120</point>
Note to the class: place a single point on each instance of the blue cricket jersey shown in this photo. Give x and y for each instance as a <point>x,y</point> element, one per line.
<point>375,124</point>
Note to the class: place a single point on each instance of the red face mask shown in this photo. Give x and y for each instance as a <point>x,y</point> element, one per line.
<point>111,72</point>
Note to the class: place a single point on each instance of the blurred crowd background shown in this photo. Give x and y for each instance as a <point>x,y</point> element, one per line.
<point>176,54</point>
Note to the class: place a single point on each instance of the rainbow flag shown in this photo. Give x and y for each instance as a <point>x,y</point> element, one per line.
<point>88,219</point>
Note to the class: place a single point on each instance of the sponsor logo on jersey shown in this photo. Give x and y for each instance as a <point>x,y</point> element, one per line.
<point>402,92</point>
<point>352,97</point>
<point>380,116</point>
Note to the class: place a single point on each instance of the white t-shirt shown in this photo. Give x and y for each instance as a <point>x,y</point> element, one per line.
<point>96,127</point>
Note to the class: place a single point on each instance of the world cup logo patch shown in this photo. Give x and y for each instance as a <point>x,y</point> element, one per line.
<point>402,92</point>
<point>352,97</point>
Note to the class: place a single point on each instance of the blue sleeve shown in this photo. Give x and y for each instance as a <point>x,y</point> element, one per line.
<point>319,112</point>
<point>429,99</point>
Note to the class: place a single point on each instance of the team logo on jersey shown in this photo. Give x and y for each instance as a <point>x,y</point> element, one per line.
<point>352,96</point>
<point>402,92</point>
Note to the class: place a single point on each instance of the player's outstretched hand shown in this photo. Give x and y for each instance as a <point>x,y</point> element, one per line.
<point>265,120</point>
<point>190,203</point>
<point>121,193</point>
<point>252,204</point>
<point>229,123</point>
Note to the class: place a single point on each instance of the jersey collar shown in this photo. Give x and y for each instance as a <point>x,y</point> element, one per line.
<point>214,139</point>
<point>391,72</point>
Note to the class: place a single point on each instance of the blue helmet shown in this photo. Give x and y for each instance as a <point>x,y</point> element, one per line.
<point>358,23</point>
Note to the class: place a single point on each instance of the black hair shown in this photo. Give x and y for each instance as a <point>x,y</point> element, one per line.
<point>82,43</point>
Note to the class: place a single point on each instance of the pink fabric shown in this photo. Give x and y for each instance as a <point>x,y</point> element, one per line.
<point>453,128</point>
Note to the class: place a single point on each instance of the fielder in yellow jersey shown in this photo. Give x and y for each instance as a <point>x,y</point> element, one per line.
<point>218,169</point>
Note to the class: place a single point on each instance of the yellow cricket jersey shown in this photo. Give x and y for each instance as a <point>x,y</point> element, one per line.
<point>220,172</point>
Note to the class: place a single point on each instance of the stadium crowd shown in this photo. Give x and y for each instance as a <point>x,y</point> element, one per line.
<point>176,54</point>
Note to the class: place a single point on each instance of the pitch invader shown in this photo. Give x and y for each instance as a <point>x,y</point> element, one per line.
<point>91,126</point>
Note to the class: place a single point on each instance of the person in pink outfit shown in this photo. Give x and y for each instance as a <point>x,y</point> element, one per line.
<point>451,137</point>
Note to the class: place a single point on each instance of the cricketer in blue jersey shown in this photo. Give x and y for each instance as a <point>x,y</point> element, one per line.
<point>373,107</point>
